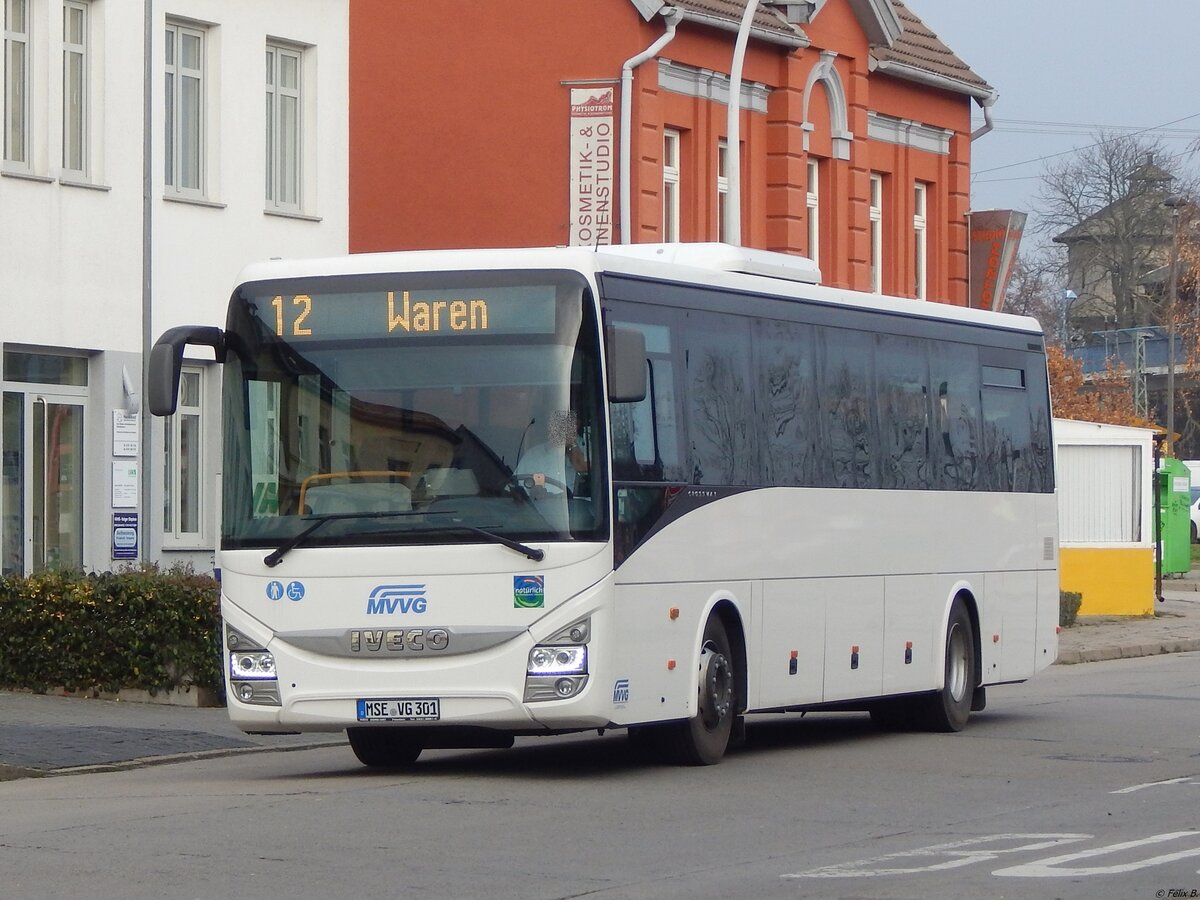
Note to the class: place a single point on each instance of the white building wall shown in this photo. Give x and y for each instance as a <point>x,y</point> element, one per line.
<point>70,255</point>
<point>71,249</point>
<point>201,248</point>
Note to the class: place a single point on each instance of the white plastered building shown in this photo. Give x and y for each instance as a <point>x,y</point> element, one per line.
<point>150,151</point>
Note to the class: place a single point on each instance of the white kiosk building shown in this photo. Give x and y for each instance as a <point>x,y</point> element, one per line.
<point>1105,516</point>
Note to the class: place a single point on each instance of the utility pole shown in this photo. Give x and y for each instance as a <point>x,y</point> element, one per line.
<point>1173,204</point>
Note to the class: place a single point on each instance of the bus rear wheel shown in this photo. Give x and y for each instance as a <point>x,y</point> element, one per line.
<point>384,748</point>
<point>949,708</point>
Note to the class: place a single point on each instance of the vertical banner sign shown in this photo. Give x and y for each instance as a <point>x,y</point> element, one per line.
<point>591,166</point>
<point>995,237</point>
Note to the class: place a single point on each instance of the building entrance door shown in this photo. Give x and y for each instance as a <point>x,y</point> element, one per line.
<point>41,498</point>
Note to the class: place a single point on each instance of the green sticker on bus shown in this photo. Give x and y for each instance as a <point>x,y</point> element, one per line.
<point>529,591</point>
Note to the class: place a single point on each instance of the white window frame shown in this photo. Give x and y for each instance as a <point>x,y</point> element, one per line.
<point>176,72</point>
<point>876,220</point>
<point>18,124</point>
<point>722,186</point>
<point>284,156</point>
<point>812,204</point>
<point>920,240</point>
<point>76,117</point>
<point>175,535</point>
<point>670,177</point>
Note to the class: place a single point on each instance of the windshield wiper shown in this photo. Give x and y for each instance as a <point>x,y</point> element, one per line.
<point>532,552</point>
<point>275,557</point>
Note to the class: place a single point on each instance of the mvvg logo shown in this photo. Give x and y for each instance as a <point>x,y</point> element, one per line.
<point>621,691</point>
<point>389,599</point>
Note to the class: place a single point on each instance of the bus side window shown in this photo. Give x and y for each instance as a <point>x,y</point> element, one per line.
<point>1007,443</point>
<point>646,445</point>
<point>847,418</point>
<point>902,394</point>
<point>720,401</point>
<point>787,395</point>
<point>954,374</point>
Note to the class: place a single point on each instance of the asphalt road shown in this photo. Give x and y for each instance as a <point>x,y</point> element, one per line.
<point>1084,783</point>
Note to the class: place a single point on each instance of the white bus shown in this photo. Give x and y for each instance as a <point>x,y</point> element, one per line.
<point>469,495</point>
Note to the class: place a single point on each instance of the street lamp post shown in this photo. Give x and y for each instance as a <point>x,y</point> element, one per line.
<point>795,11</point>
<point>733,138</point>
<point>1069,298</point>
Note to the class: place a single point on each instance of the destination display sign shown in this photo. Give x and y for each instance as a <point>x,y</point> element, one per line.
<point>404,312</point>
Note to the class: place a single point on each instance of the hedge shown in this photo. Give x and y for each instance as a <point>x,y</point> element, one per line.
<point>136,628</point>
<point>1068,607</point>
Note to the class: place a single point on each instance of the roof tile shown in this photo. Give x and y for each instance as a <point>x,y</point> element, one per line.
<point>919,47</point>
<point>732,10</point>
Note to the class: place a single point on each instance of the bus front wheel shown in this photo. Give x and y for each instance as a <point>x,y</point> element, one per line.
<point>703,739</point>
<point>384,748</point>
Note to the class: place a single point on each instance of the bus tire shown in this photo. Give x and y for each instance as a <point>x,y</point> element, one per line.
<point>703,739</point>
<point>384,748</point>
<point>948,709</point>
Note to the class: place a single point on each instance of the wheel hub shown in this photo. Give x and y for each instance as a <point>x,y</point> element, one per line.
<point>716,687</point>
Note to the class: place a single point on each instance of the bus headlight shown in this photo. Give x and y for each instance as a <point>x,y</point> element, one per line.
<point>251,664</point>
<point>557,661</point>
<point>558,666</point>
<point>252,675</point>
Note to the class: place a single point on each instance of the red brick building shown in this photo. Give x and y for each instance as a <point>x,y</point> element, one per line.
<point>855,131</point>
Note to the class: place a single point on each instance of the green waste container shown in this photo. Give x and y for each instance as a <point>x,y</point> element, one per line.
<point>1175,486</point>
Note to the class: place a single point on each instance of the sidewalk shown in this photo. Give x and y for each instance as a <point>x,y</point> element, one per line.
<point>50,735</point>
<point>44,734</point>
<point>1174,628</point>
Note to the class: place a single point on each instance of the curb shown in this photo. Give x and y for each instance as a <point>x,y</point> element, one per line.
<point>12,773</point>
<point>1103,654</point>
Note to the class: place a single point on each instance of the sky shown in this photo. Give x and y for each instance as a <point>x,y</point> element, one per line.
<point>1064,69</point>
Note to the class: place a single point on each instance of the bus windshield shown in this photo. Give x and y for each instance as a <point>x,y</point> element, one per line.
<point>413,409</point>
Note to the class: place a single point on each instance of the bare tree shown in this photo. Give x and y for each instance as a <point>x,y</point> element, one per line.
<point>1104,204</point>
<point>1036,289</point>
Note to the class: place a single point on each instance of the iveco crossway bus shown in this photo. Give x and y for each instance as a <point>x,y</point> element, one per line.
<point>470,495</point>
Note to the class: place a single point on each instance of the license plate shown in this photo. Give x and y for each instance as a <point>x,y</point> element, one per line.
<point>423,709</point>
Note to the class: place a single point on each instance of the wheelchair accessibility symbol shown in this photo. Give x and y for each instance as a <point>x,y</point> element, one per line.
<point>276,591</point>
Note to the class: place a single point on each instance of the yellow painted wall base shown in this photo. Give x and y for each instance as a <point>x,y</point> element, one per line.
<point>1113,582</point>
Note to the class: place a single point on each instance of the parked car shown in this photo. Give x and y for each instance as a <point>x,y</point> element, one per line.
<point>1195,510</point>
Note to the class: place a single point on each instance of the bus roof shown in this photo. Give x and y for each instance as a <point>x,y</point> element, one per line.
<point>718,265</point>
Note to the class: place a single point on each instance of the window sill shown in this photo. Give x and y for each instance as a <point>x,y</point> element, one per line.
<point>286,214</point>
<point>193,201</point>
<point>26,176</point>
<point>178,546</point>
<point>86,185</point>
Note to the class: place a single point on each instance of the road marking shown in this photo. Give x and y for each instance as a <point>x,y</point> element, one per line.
<point>953,855</point>
<point>1051,867</point>
<point>1150,784</point>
